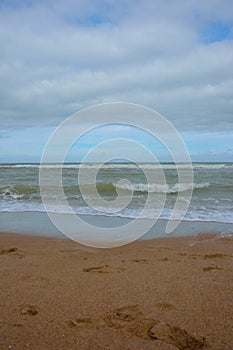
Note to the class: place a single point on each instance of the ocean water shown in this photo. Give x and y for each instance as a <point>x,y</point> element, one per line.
<point>212,196</point>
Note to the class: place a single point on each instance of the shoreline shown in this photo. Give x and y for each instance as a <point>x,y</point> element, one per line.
<point>39,224</point>
<point>165,293</point>
<point>199,237</point>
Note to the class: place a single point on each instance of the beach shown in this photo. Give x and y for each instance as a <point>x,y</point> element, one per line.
<point>165,293</point>
<point>116,175</point>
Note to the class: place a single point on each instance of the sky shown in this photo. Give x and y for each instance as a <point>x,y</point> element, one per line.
<point>173,56</point>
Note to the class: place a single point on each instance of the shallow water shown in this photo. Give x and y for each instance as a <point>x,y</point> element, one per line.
<point>39,224</point>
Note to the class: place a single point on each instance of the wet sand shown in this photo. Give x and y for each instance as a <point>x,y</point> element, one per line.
<point>166,293</point>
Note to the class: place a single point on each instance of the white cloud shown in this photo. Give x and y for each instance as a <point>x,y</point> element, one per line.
<point>59,57</point>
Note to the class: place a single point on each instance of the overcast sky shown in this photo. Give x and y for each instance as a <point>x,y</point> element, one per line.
<point>57,57</point>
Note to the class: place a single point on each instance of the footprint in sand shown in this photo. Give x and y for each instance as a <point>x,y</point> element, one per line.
<point>31,310</point>
<point>165,306</point>
<point>8,251</point>
<point>176,336</point>
<point>163,259</point>
<point>130,319</point>
<point>103,269</point>
<point>118,319</point>
<point>209,256</point>
<point>38,281</point>
<point>210,268</point>
<point>98,269</point>
<point>126,313</point>
<point>123,317</point>
<point>11,251</point>
<point>141,261</point>
<point>182,254</point>
<point>79,322</point>
<point>217,255</point>
<point>17,325</point>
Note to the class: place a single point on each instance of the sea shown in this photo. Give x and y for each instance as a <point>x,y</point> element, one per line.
<point>211,200</point>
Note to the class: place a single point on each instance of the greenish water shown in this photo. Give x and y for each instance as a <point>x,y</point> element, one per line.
<point>212,198</point>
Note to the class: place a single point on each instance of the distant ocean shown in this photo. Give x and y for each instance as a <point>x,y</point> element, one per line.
<point>212,198</point>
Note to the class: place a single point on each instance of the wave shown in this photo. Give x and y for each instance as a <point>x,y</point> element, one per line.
<point>19,191</point>
<point>149,166</point>
<point>155,188</point>
<point>37,166</point>
<point>192,215</point>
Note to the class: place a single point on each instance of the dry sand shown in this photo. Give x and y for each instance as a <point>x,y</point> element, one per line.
<point>171,293</point>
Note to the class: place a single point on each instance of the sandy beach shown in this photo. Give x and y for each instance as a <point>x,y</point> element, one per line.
<point>168,293</point>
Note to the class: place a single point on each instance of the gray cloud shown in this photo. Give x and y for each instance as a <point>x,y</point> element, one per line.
<point>59,57</point>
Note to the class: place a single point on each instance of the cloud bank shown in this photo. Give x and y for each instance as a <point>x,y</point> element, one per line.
<point>173,56</point>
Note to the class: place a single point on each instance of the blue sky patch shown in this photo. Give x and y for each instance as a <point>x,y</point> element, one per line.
<point>216,31</point>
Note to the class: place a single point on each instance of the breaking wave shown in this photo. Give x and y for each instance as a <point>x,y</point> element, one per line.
<point>155,188</point>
